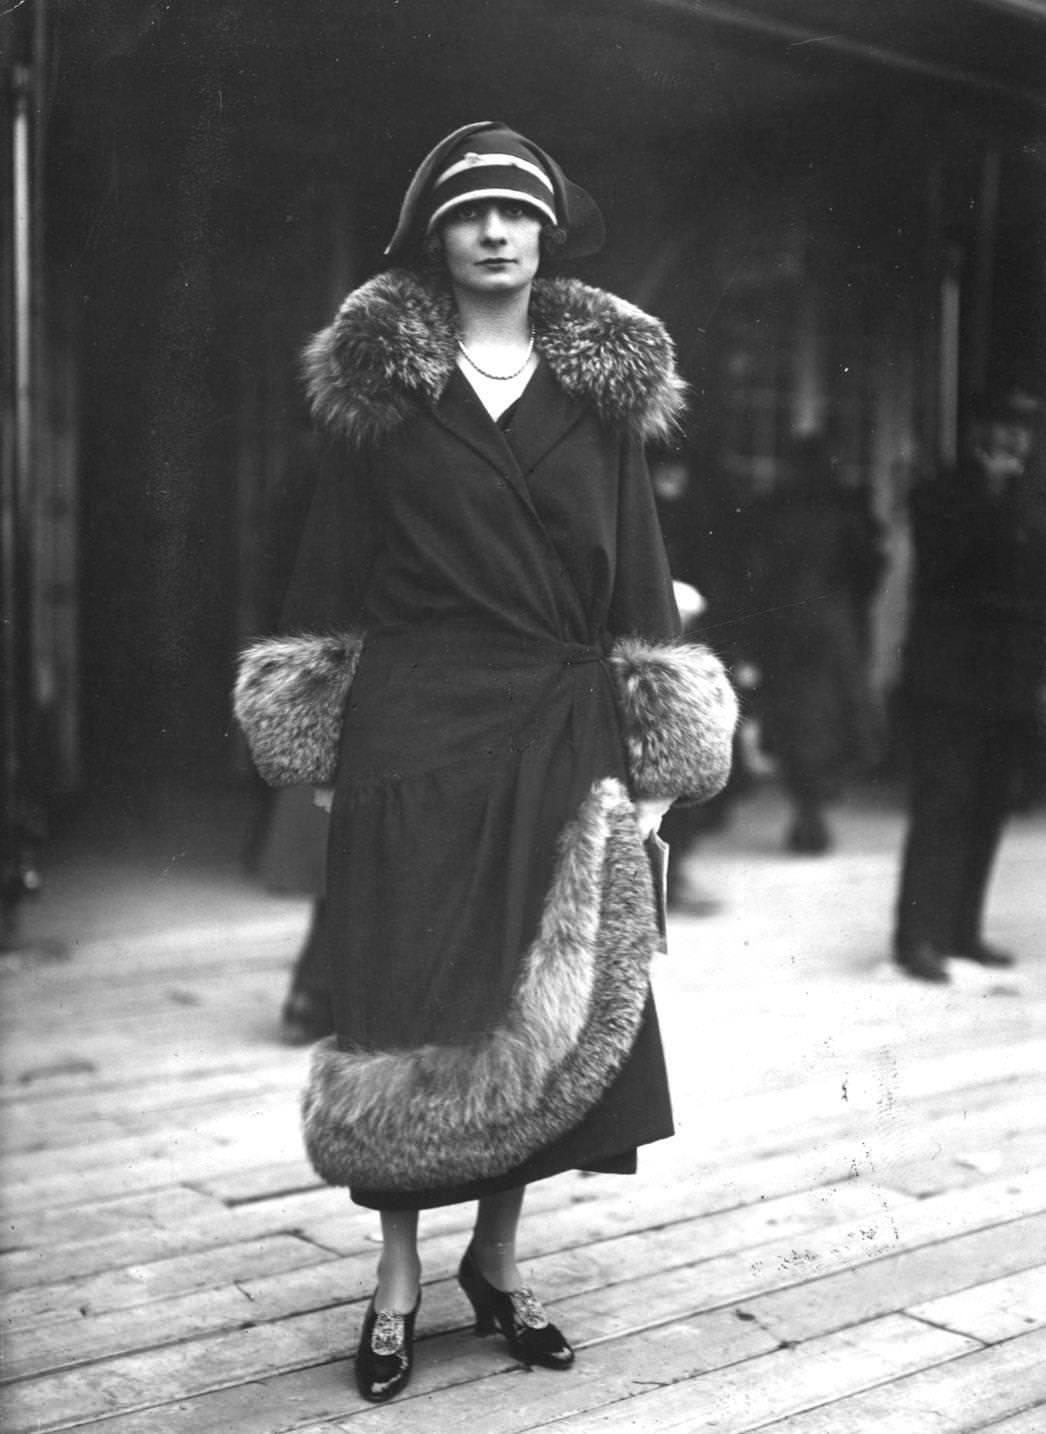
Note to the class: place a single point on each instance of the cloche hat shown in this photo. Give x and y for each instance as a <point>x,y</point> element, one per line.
<point>488,160</point>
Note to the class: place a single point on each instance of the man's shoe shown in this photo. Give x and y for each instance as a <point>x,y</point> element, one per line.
<point>923,961</point>
<point>809,835</point>
<point>305,1019</point>
<point>986,955</point>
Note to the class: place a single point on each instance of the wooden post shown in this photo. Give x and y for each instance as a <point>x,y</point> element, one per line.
<point>984,271</point>
<point>948,361</point>
<point>18,837</point>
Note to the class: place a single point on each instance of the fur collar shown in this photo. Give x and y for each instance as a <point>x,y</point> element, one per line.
<point>392,348</point>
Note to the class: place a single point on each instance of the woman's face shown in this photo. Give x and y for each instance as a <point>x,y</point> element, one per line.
<point>492,246</point>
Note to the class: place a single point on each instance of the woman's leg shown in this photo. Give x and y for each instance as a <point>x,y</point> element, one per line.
<point>492,1281</point>
<point>385,1354</point>
<point>494,1238</point>
<point>399,1269</point>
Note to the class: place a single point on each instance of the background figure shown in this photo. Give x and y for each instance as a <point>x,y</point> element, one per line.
<point>307,1014</point>
<point>288,848</point>
<point>815,560</point>
<point>699,524</point>
<point>975,669</point>
<point>292,860</point>
<point>683,823</point>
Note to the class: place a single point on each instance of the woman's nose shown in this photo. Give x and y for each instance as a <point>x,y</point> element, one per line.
<point>493,223</point>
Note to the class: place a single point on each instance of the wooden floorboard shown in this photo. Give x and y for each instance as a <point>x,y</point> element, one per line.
<point>848,1231</point>
<point>962,1395</point>
<point>1029,1421</point>
<point>588,1265</point>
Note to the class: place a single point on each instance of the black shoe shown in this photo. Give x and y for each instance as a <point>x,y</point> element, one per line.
<point>690,903</point>
<point>924,961</point>
<point>809,835</point>
<point>305,1019</point>
<point>519,1316</point>
<point>385,1354</point>
<point>986,955</point>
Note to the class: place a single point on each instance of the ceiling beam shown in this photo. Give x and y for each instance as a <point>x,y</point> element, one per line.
<point>1036,9</point>
<point>794,34</point>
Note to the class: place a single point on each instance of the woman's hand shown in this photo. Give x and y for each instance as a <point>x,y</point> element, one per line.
<point>322,797</point>
<point>649,811</point>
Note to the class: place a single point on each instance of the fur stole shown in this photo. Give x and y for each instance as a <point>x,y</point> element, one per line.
<point>678,711</point>
<point>393,343</point>
<point>444,1115</point>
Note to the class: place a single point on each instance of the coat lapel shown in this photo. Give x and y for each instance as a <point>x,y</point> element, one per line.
<point>545,415</point>
<point>460,411</point>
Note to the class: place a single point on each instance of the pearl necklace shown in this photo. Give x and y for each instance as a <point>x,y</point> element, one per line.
<point>499,377</point>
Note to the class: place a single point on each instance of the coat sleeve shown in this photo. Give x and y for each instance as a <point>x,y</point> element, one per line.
<point>677,706</point>
<point>643,602</point>
<point>291,689</point>
<point>339,542</point>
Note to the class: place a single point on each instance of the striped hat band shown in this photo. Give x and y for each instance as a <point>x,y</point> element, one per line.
<point>479,177</point>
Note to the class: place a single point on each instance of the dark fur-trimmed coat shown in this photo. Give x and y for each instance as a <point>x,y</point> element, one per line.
<point>481,654</point>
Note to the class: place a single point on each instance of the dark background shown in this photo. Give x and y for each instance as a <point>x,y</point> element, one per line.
<point>788,186</point>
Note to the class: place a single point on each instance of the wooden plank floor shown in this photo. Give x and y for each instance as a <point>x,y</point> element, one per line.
<point>847,1234</point>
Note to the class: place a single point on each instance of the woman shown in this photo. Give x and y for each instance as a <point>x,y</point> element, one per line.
<point>486,520</point>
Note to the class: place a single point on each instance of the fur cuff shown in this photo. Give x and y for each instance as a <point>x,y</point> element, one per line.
<point>289,699</point>
<point>679,713</point>
<point>444,1115</point>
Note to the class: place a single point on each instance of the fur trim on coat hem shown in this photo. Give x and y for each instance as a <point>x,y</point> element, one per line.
<point>447,1115</point>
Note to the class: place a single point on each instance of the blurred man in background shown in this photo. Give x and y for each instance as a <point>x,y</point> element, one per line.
<point>975,679</point>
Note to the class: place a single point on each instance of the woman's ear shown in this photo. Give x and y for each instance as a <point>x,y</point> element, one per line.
<point>432,248</point>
